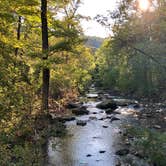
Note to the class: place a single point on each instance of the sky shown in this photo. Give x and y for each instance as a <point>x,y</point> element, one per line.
<point>92,8</point>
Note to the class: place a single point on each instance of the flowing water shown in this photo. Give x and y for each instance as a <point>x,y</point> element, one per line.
<point>90,145</point>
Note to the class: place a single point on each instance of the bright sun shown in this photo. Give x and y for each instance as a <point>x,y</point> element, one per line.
<point>144,4</point>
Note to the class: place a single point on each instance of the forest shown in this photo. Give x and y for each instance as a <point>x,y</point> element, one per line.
<point>139,42</point>
<point>50,71</point>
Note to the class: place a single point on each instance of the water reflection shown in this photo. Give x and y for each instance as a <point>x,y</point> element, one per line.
<point>82,145</point>
<point>82,141</point>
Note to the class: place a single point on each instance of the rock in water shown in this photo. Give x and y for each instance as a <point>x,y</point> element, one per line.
<point>102,151</point>
<point>92,95</point>
<point>81,122</point>
<point>73,105</point>
<point>92,118</point>
<point>159,111</point>
<point>107,104</point>
<point>88,155</point>
<point>65,119</point>
<point>157,127</point>
<point>113,118</point>
<point>109,111</point>
<point>101,119</point>
<point>80,111</point>
<point>136,106</point>
<point>69,118</point>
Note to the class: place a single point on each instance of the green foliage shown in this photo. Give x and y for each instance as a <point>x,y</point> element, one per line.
<point>74,73</point>
<point>133,59</point>
<point>28,154</point>
<point>150,143</point>
<point>69,60</point>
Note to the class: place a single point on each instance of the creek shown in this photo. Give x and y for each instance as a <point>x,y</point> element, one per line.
<point>95,143</point>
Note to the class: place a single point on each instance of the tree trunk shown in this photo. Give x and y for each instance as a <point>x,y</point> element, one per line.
<point>18,33</point>
<point>46,71</point>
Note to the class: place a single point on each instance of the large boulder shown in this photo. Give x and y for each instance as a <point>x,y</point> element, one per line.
<point>80,111</point>
<point>109,111</point>
<point>73,105</point>
<point>108,104</point>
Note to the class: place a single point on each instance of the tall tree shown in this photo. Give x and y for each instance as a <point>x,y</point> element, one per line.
<point>136,49</point>
<point>46,71</point>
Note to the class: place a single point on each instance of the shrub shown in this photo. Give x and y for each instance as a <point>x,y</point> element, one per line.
<point>151,143</point>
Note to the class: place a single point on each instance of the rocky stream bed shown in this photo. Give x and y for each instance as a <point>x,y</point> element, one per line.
<point>95,131</point>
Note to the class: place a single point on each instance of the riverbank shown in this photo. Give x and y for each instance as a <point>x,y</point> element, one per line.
<point>93,126</point>
<point>82,119</point>
<point>146,142</point>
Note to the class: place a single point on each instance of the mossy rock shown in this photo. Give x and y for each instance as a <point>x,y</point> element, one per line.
<point>108,104</point>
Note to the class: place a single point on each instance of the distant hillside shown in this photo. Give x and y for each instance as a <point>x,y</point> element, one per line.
<point>94,42</point>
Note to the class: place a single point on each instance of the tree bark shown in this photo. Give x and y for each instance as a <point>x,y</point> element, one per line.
<point>46,71</point>
<point>18,33</point>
